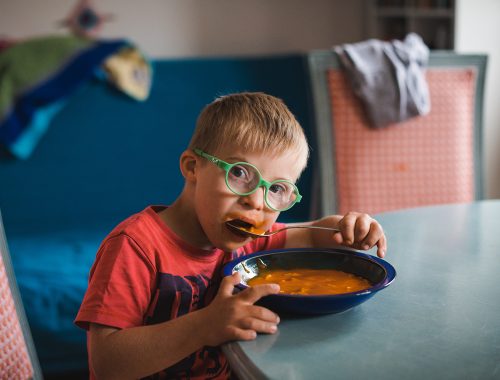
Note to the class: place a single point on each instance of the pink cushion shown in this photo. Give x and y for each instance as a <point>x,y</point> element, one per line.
<point>14,359</point>
<point>423,161</point>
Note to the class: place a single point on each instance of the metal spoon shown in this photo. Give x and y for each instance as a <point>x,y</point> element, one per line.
<point>264,234</point>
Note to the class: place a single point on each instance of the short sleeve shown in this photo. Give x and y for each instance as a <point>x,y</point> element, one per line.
<point>120,288</point>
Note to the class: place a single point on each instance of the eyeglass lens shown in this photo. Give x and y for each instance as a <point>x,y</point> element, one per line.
<point>244,178</point>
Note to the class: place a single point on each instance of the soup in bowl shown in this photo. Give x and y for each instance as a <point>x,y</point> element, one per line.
<point>314,281</point>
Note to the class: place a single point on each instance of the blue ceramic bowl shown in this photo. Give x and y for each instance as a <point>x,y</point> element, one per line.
<point>379,272</point>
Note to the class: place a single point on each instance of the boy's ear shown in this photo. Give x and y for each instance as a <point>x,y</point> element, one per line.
<point>187,164</point>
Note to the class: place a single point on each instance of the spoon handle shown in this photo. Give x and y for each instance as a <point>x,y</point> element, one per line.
<point>314,227</point>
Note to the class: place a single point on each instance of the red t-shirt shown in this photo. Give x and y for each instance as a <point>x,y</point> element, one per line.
<point>145,274</point>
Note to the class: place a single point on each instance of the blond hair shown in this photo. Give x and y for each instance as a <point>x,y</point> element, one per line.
<point>253,121</point>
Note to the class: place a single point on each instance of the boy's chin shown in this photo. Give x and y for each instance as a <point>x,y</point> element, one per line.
<point>229,246</point>
<point>230,241</point>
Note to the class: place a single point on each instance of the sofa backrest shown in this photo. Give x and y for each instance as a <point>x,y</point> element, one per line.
<point>106,156</point>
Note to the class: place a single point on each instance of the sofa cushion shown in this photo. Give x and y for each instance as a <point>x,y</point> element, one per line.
<point>52,273</point>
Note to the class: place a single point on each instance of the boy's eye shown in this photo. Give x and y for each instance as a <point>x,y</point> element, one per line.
<point>239,172</point>
<point>279,188</point>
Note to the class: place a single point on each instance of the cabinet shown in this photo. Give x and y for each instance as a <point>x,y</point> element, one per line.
<point>433,20</point>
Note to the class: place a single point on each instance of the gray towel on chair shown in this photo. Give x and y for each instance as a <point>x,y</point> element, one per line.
<point>388,77</point>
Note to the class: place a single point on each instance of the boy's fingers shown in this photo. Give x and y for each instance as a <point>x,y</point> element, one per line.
<point>260,325</point>
<point>254,293</point>
<point>242,334</point>
<point>347,226</point>
<point>376,237</point>
<point>228,283</point>
<point>373,237</point>
<point>254,327</point>
<point>337,238</point>
<point>362,228</point>
<point>263,314</point>
<point>382,246</point>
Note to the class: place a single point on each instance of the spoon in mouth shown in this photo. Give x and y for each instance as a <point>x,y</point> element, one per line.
<point>256,233</point>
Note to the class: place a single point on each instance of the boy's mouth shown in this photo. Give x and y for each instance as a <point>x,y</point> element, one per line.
<point>236,224</point>
<point>240,223</point>
<point>241,227</point>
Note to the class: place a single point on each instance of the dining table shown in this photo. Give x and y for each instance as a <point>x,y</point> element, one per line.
<point>439,318</point>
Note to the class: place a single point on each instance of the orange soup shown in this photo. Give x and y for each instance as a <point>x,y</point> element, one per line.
<point>311,281</point>
<point>254,230</point>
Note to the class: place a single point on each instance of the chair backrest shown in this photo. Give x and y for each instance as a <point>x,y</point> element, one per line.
<point>431,159</point>
<point>18,358</point>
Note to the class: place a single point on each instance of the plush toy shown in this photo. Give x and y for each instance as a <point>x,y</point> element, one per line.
<point>84,20</point>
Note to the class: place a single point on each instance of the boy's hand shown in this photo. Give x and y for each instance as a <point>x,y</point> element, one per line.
<point>361,231</point>
<point>235,317</point>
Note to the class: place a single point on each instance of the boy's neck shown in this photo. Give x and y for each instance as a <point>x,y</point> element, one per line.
<point>181,219</point>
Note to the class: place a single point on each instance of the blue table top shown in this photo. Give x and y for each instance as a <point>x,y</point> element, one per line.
<point>439,319</point>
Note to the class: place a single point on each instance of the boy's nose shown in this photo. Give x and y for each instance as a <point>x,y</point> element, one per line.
<point>256,199</point>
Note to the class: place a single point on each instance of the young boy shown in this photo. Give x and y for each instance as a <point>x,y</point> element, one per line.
<point>156,304</point>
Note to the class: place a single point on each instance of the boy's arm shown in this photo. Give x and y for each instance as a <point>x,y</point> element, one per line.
<point>358,231</point>
<point>140,351</point>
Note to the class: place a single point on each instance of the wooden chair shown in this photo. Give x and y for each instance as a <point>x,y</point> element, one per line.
<point>431,159</point>
<point>18,358</point>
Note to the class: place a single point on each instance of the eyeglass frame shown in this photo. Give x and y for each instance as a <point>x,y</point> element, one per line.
<point>226,166</point>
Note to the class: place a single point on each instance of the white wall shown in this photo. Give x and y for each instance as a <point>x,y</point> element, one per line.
<point>478,31</point>
<point>177,28</point>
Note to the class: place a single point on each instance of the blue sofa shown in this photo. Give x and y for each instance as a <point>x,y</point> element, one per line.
<point>104,157</point>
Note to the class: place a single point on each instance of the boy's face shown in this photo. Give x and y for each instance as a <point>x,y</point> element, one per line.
<point>215,204</point>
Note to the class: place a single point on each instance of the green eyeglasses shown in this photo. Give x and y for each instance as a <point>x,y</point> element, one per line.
<point>243,178</point>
